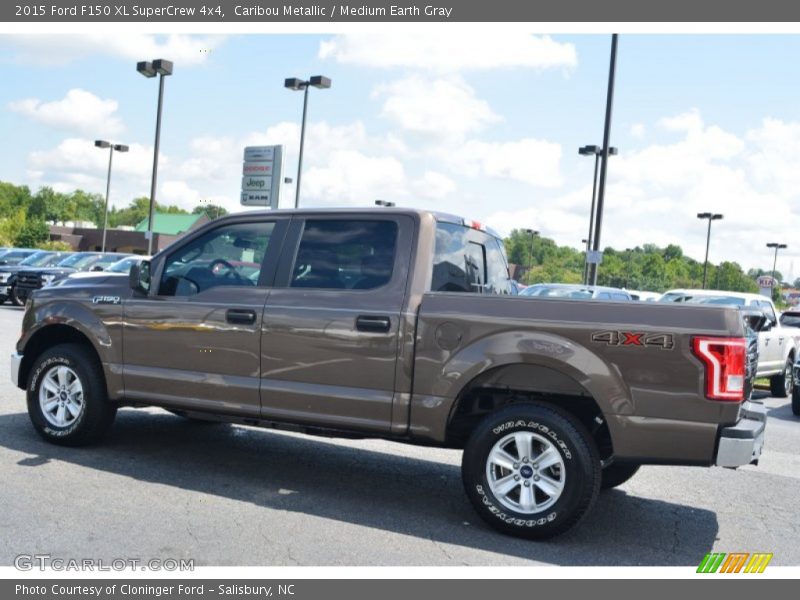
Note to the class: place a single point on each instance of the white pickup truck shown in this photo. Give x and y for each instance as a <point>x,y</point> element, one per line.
<point>777,343</point>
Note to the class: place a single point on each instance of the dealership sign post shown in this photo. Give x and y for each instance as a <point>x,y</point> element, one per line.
<point>261,176</point>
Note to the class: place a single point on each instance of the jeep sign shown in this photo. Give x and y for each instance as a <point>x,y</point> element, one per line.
<point>261,176</point>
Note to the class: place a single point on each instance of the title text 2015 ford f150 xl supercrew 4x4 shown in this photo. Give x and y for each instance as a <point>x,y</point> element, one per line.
<point>396,324</point>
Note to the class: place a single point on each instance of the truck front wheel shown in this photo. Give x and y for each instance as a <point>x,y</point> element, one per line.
<point>67,401</point>
<point>531,470</point>
<point>780,386</point>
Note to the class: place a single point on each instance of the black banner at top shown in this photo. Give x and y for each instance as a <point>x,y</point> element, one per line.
<point>265,11</point>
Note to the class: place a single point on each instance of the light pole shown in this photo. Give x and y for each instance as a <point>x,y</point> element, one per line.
<point>775,260</point>
<point>111,147</point>
<point>151,69</point>
<point>533,233</point>
<point>595,151</point>
<point>601,194</point>
<point>293,83</point>
<point>710,217</point>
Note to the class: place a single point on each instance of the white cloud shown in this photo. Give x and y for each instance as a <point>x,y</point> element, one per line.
<point>79,111</point>
<point>655,192</point>
<point>433,185</point>
<point>79,155</point>
<point>456,51</point>
<point>638,130</point>
<point>57,49</point>
<point>178,193</point>
<point>531,161</point>
<point>439,108</point>
<point>351,177</point>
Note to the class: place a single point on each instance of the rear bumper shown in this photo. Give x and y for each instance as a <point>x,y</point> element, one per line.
<point>16,361</point>
<point>741,444</point>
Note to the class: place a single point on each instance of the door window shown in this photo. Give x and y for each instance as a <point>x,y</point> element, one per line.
<point>345,254</point>
<point>229,255</point>
<point>459,265</point>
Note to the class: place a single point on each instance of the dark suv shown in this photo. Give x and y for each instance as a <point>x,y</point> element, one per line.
<point>29,280</point>
<point>43,258</point>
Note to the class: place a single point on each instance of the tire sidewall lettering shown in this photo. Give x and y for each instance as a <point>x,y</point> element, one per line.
<point>33,390</point>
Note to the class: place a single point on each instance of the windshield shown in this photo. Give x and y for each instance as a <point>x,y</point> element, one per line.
<point>723,300</point>
<point>790,319</point>
<point>122,266</point>
<point>13,257</point>
<point>559,292</point>
<point>72,260</point>
<point>37,259</point>
<point>85,261</point>
<point>105,261</point>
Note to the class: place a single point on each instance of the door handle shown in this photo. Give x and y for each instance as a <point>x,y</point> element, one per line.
<point>373,324</point>
<point>239,316</point>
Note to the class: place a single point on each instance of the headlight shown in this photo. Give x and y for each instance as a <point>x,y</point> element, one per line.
<point>47,279</point>
<point>3,277</point>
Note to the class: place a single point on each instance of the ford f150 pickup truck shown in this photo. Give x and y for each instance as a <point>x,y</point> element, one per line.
<point>396,324</point>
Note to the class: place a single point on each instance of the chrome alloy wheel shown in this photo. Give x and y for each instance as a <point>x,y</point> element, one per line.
<point>61,396</point>
<point>525,472</point>
<point>788,379</point>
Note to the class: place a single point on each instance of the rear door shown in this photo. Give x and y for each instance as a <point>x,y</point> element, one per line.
<point>330,332</point>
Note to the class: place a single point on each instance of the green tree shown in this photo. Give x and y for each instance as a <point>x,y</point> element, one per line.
<point>32,233</point>
<point>213,211</point>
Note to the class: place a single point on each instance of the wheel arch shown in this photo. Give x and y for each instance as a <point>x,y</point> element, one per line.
<point>507,384</point>
<point>48,337</point>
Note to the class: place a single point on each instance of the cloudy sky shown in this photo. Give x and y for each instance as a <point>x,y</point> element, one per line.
<point>485,125</point>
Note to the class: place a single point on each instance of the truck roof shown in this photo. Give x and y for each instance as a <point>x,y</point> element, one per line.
<point>379,210</point>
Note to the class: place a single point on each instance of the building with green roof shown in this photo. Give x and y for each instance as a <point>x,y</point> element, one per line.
<point>172,224</point>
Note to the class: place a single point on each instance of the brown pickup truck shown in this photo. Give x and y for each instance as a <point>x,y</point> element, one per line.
<point>396,324</point>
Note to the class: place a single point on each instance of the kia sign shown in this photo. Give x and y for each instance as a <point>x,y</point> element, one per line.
<point>261,176</point>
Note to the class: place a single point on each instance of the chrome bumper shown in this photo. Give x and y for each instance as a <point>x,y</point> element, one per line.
<point>16,361</point>
<point>741,444</point>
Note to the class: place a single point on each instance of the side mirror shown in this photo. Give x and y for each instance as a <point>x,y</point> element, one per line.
<point>96,268</point>
<point>140,277</point>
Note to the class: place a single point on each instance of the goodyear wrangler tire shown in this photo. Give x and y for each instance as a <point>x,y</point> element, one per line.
<point>531,470</point>
<point>616,474</point>
<point>67,401</point>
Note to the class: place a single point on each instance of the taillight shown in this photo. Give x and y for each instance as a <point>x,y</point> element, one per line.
<point>724,359</point>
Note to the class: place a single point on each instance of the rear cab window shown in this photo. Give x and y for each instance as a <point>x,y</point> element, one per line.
<point>469,261</point>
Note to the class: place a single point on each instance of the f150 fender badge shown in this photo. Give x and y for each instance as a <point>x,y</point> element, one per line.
<point>634,339</point>
<point>106,300</point>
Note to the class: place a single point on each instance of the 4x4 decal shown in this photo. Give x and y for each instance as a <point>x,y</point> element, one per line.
<point>635,339</point>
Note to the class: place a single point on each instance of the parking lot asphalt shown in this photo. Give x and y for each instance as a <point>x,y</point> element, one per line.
<point>162,487</point>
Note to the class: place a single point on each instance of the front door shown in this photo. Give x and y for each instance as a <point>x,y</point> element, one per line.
<point>331,324</point>
<point>195,342</point>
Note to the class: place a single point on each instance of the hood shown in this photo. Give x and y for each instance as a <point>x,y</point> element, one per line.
<point>46,270</point>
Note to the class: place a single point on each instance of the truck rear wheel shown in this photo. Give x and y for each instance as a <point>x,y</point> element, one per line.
<point>67,401</point>
<point>531,470</point>
<point>780,386</point>
<point>616,474</point>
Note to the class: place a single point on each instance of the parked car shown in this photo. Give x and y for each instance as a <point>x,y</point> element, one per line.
<point>43,258</point>
<point>28,280</point>
<point>14,256</point>
<point>644,296</point>
<point>121,267</point>
<point>576,291</point>
<point>395,324</point>
<point>790,318</point>
<point>777,343</point>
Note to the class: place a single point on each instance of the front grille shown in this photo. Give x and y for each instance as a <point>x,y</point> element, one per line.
<point>29,281</point>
